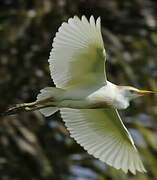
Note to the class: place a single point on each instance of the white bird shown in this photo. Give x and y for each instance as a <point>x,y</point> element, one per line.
<point>88,102</point>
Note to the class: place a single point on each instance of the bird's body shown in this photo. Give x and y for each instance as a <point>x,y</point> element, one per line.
<point>87,101</point>
<point>88,97</point>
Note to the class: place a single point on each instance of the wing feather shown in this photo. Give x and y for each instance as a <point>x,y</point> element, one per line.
<point>78,51</point>
<point>102,133</point>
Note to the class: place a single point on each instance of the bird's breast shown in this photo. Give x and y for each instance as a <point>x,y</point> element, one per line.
<point>99,99</point>
<point>107,97</point>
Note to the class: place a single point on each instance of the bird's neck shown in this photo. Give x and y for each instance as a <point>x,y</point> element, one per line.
<point>121,102</point>
<point>118,100</point>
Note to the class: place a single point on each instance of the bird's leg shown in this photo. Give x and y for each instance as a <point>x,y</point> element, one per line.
<point>27,107</point>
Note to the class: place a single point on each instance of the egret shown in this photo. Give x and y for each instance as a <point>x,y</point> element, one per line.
<point>87,101</point>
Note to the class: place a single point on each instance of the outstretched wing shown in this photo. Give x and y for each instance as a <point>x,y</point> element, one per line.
<point>102,133</point>
<point>78,55</point>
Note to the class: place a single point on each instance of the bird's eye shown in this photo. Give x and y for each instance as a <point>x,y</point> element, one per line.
<point>132,91</point>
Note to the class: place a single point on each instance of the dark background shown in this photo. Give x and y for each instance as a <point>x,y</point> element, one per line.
<point>33,147</point>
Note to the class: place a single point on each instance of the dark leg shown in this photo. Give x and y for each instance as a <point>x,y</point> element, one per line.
<point>27,107</point>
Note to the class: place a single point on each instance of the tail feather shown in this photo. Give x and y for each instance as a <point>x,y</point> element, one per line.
<point>49,92</point>
<point>48,111</point>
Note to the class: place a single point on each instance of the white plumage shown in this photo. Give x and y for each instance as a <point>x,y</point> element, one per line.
<point>78,53</point>
<point>87,101</point>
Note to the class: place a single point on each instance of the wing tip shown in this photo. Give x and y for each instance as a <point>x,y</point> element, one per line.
<point>124,158</point>
<point>76,18</point>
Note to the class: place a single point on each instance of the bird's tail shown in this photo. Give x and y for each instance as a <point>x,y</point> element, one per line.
<point>52,94</point>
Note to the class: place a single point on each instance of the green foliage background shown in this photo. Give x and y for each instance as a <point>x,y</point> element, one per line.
<point>33,147</point>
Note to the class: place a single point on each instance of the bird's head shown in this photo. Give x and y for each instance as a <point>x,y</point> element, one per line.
<point>131,93</point>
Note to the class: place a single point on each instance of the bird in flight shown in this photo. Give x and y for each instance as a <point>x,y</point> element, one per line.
<point>87,101</point>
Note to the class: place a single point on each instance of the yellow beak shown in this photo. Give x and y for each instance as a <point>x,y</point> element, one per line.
<point>143,92</point>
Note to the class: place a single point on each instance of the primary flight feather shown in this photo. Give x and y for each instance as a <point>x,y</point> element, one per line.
<point>87,101</point>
